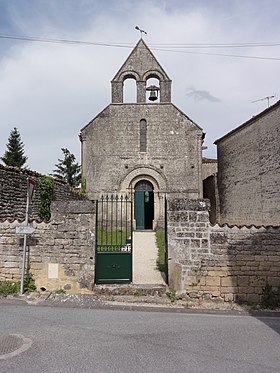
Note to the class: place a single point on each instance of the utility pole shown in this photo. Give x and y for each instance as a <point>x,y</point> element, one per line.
<point>25,230</point>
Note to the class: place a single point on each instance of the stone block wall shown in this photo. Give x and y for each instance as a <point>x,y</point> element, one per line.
<point>188,239</point>
<point>244,260</point>
<point>61,252</point>
<point>13,186</point>
<point>111,149</point>
<point>249,171</point>
<point>228,263</point>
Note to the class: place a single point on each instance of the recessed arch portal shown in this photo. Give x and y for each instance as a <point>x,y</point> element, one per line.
<point>158,180</point>
<point>144,204</point>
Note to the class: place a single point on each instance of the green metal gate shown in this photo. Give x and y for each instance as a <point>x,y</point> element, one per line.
<point>113,262</point>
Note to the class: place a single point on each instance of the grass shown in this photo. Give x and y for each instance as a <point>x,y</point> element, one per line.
<point>112,238</point>
<point>160,240</point>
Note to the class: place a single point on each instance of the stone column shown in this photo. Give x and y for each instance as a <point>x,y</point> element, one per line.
<point>141,91</point>
<point>165,91</point>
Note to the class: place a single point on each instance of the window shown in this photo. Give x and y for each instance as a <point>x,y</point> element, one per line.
<point>143,135</point>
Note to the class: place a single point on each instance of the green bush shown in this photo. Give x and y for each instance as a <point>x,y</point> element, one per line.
<point>29,283</point>
<point>13,287</point>
<point>47,195</point>
<point>9,287</point>
<point>270,297</point>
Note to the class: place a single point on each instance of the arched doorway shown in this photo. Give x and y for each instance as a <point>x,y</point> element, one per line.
<point>144,205</point>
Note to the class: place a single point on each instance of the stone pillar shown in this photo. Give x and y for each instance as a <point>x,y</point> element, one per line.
<point>141,91</point>
<point>165,91</point>
<point>188,240</point>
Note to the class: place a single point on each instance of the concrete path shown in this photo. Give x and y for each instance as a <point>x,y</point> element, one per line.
<point>144,259</point>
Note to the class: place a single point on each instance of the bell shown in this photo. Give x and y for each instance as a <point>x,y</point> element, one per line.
<point>153,96</point>
<point>153,92</point>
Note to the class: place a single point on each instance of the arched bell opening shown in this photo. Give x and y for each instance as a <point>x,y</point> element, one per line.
<point>153,90</point>
<point>144,205</point>
<point>129,90</point>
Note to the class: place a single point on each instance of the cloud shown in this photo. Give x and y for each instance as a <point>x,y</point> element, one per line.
<point>50,91</point>
<point>200,95</point>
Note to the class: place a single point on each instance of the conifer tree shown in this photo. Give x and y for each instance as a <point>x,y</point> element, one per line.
<point>68,169</point>
<point>14,155</point>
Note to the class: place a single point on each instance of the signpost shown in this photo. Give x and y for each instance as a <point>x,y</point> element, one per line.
<point>26,229</point>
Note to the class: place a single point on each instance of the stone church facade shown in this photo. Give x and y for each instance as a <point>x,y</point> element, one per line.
<point>151,151</point>
<point>146,149</point>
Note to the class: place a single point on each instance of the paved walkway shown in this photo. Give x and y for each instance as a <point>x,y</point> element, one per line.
<point>144,259</point>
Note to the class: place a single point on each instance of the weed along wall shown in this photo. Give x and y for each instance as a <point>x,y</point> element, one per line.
<point>229,263</point>
<point>61,251</point>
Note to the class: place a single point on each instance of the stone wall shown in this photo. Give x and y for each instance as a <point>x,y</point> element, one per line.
<point>249,171</point>
<point>13,186</point>
<point>229,263</point>
<point>209,167</point>
<point>111,149</point>
<point>61,252</point>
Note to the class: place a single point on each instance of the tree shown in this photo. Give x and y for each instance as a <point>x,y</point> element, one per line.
<point>14,155</point>
<point>68,169</point>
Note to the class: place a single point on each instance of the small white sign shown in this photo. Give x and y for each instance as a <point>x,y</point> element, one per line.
<point>53,270</point>
<point>24,229</point>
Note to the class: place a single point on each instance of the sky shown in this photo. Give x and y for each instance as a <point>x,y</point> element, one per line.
<point>50,91</point>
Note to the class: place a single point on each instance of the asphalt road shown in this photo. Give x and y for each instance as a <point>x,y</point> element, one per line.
<point>100,340</point>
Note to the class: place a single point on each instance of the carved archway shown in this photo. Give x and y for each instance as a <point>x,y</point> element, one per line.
<point>159,185</point>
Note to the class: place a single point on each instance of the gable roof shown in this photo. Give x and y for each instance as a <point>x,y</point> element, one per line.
<point>131,104</point>
<point>141,60</point>
<point>250,121</point>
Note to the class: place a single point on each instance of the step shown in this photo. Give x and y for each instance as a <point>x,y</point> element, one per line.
<point>129,289</point>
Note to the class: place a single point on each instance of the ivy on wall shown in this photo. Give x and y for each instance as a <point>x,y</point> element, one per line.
<point>46,187</point>
<point>83,185</point>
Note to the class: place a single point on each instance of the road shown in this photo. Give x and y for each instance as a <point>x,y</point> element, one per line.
<point>70,340</point>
